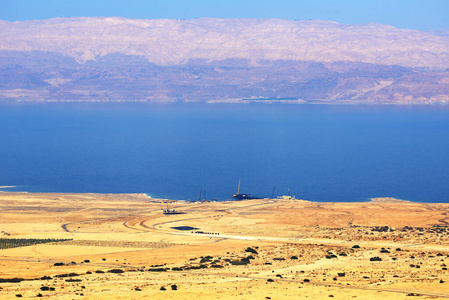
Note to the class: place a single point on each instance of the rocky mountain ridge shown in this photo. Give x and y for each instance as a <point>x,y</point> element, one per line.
<point>105,59</point>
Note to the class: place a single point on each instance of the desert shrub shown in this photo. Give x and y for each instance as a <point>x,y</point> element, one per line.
<point>216,266</point>
<point>116,271</point>
<point>246,260</point>
<point>278,258</point>
<point>294,257</point>
<point>375,258</point>
<point>45,278</point>
<point>251,250</point>
<point>73,280</point>
<point>239,262</point>
<point>157,270</point>
<point>174,287</point>
<point>355,247</point>
<point>11,280</point>
<point>67,275</point>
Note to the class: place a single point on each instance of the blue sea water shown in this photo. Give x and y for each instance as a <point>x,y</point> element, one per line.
<point>318,153</point>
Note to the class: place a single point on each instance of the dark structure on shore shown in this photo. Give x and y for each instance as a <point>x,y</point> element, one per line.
<point>239,196</point>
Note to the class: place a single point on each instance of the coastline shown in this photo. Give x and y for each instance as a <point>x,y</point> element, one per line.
<point>159,199</point>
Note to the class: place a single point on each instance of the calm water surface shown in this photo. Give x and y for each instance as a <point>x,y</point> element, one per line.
<point>318,153</point>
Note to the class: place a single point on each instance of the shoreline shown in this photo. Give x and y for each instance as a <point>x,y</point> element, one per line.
<point>368,200</point>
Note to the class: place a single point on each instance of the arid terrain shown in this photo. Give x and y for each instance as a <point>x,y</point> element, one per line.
<point>122,246</point>
<point>100,59</point>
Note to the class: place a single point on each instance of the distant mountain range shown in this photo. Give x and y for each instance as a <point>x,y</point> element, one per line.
<point>221,60</point>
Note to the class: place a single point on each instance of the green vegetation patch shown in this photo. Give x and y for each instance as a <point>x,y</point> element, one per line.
<point>16,243</point>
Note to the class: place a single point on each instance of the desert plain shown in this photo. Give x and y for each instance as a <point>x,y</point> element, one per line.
<point>122,246</point>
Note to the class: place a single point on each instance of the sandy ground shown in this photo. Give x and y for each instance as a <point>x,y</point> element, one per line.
<point>124,247</point>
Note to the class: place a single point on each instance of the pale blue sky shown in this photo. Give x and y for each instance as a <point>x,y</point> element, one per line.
<point>413,14</point>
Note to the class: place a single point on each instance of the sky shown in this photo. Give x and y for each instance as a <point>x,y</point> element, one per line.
<point>411,14</point>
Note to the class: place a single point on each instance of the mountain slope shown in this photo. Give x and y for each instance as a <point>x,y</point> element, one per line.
<point>220,59</point>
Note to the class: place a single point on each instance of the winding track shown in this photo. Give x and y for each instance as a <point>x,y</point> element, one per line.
<point>217,238</point>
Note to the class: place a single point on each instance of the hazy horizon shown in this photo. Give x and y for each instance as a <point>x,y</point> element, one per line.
<point>406,14</point>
